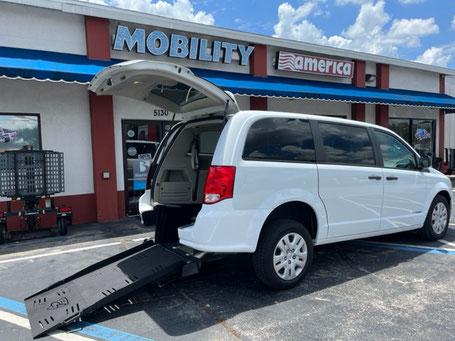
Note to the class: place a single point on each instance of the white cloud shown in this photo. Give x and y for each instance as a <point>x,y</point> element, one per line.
<point>435,56</point>
<point>291,23</point>
<point>354,2</point>
<point>452,26</point>
<point>409,31</point>
<point>406,2</point>
<point>368,33</point>
<point>179,9</point>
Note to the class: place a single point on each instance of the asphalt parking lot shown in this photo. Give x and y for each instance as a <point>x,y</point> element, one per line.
<point>390,288</point>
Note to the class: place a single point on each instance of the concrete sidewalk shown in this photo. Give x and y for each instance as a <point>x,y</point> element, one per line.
<point>125,228</point>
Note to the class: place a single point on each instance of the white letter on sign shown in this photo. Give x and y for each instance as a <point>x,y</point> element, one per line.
<point>298,63</point>
<point>321,65</point>
<point>347,69</point>
<point>340,68</point>
<point>311,64</point>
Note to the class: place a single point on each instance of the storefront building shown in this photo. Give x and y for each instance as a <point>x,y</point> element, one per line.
<point>50,50</point>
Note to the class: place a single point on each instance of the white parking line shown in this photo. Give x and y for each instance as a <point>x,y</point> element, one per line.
<point>446,242</point>
<point>66,251</point>
<point>23,322</point>
<point>416,246</point>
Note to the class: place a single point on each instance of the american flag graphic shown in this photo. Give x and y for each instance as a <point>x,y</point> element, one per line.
<point>286,61</point>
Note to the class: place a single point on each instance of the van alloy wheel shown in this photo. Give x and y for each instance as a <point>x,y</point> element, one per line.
<point>290,256</point>
<point>284,253</point>
<point>439,218</point>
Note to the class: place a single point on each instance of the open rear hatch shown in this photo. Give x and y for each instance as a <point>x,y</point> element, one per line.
<point>168,86</point>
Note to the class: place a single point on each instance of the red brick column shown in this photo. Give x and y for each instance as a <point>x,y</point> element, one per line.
<point>382,82</point>
<point>442,90</point>
<point>102,127</point>
<point>358,109</point>
<point>258,68</point>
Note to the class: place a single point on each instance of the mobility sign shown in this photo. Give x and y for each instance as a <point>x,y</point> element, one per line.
<point>176,45</point>
<point>288,61</point>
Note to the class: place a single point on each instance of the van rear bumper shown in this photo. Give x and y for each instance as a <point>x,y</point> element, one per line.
<point>219,228</point>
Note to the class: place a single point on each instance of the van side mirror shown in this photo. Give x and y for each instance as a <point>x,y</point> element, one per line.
<point>424,162</point>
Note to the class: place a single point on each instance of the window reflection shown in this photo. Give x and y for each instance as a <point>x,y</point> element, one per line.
<point>394,153</point>
<point>280,139</point>
<point>346,144</point>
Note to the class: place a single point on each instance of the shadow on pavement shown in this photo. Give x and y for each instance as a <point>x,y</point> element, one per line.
<point>227,288</point>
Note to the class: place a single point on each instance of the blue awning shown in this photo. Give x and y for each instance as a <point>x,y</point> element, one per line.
<point>242,84</point>
<point>53,66</point>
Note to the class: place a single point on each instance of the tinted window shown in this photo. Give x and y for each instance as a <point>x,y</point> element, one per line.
<point>347,144</point>
<point>394,153</point>
<point>280,139</point>
<point>208,141</point>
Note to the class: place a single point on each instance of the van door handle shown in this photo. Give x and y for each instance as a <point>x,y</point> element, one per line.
<point>374,177</point>
<point>392,178</point>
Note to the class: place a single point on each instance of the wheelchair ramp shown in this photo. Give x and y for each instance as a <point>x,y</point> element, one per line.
<point>102,283</point>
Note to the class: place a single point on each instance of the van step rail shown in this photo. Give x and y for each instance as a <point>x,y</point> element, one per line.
<point>99,284</point>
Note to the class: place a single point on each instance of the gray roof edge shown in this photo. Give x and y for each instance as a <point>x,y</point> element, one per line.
<point>107,12</point>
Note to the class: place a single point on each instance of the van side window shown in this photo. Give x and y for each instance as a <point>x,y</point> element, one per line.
<point>281,139</point>
<point>394,153</point>
<point>345,144</point>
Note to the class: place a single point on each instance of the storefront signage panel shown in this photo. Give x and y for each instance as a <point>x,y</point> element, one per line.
<point>176,45</point>
<point>288,61</point>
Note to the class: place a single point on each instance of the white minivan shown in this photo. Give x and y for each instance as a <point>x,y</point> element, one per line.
<point>273,184</point>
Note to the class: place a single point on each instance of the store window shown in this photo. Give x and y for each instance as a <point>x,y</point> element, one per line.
<point>19,130</point>
<point>140,142</point>
<point>419,133</point>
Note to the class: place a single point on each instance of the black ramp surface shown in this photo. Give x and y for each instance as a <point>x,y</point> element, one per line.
<point>104,282</point>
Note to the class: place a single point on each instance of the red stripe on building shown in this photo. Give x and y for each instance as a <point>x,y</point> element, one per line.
<point>358,109</point>
<point>382,82</point>
<point>102,127</point>
<point>97,38</point>
<point>258,68</point>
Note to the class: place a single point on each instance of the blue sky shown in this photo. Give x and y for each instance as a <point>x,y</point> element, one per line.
<point>421,30</point>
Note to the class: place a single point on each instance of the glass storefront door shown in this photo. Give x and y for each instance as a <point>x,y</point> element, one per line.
<point>140,141</point>
<point>423,136</point>
<point>417,132</point>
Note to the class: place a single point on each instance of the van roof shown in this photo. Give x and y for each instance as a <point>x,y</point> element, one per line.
<point>306,116</point>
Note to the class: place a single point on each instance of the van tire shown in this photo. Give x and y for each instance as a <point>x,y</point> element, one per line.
<point>272,243</point>
<point>439,210</point>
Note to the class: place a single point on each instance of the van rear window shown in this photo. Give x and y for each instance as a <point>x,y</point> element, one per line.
<point>280,139</point>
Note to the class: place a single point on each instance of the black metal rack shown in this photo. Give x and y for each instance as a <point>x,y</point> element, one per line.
<point>29,176</point>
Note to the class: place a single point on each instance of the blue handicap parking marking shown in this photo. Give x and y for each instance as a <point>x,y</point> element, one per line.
<point>402,247</point>
<point>81,327</point>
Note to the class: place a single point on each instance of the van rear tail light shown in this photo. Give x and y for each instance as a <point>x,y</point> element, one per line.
<point>220,184</point>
